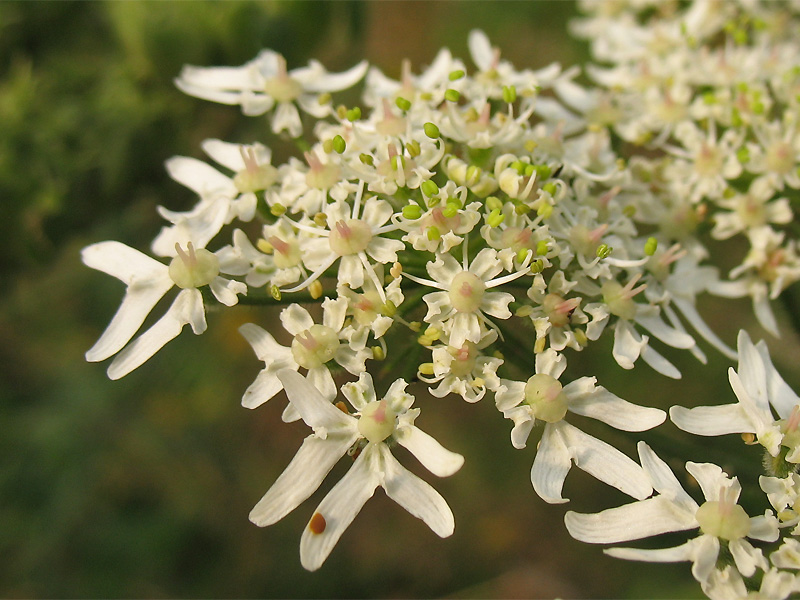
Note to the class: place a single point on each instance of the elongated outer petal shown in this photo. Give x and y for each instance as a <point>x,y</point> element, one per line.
<point>315,410</point>
<point>324,81</point>
<point>480,49</point>
<point>562,444</point>
<point>633,521</point>
<point>415,495</point>
<point>186,308</point>
<point>340,507</point>
<point>684,552</point>
<point>663,479</point>
<point>712,420</point>
<point>264,387</point>
<point>264,345</point>
<point>590,400</point>
<point>751,371</point>
<point>669,335</point>
<point>313,461</point>
<point>690,313</point>
<point>433,456</point>
<point>147,279</point>
<point>627,345</point>
<point>200,177</point>
<point>781,396</point>
<point>659,363</point>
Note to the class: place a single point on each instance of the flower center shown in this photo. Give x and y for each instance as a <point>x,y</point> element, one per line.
<point>518,239</point>
<point>779,158</point>
<point>708,162</point>
<point>193,268</point>
<point>466,292</point>
<point>282,87</point>
<point>559,310</point>
<point>367,308</point>
<point>463,359</point>
<point>254,177</point>
<point>320,176</point>
<point>377,421</point>
<point>723,518</point>
<point>286,254</point>
<point>315,346</point>
<point>349,236</point>
<point>544,394</point>
<point>620,299</point>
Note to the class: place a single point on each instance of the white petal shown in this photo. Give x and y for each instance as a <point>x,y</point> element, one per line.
<point>670,336</point>
<point>312,406</point>
<point>480,49</point>
<point>340,507</point>
<point>335,82</point>
<point>496,304</point>
<point>384,250</point>
<point>634,521</point>
<point>433,456</point>
<point>627,345</point>
<point>200,177</point>
<point>681,553</point>
<point>416,496</point>
<point>265,386</point>
<point>227,290</point>
<point>509,395</point>
<point>663,479</point>
<point>746,557</point>
<point>125,263</point>
<point>296,319</point>
<point>659,363</point>
<point>301,478</point>
<point>712,420</point>
<point>550,467</point>
<point>186,308</point>
<point>589,400</point>
<point>264,345</point>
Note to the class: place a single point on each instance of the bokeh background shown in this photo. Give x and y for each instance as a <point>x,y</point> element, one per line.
<point>142,487</point>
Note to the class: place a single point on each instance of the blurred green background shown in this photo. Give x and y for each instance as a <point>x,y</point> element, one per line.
<point>142,487</point>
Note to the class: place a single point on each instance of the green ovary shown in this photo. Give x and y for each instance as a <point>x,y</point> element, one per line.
<point>545,396</point>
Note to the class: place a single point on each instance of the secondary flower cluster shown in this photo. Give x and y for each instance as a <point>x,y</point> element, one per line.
<point>435,223</point>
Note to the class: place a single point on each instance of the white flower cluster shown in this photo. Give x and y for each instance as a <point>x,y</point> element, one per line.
<point>468,224</point>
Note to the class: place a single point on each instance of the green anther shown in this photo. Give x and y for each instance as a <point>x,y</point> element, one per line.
<point>709,98</point>
<point>451,211</point>
<point>529,170</point>
<point>525,310</point>
<point>743,155</point>
<point>378,353</point>
<point>398,162</point>
<point>434,234</point>
<point>431,130</point>
<point>321,219</point>
<point>758,108</point>
<point>736,118</point>
<point>522,254</point>
<point>550,187</point>
<point>454,75</point>
<point>537,266</point>
<point>341,111</point>
<point>603,251</point>
<point>519,166</point>
<point>542,171</point>
<point>474,173</point>
<point>728,193</point>
<point>740,37</point>
<point>339,145</point>
<point>354,114</point>
<point>429,188</point>
<point>522,209</point>
<point>509,94</point>
<point>650,246</point>
<point>402,103</point>
<point>494,203</point>
<point>433,201</point>
<point>495,218</point>
<point>545,210</point>
<point>327,146</point>
<point>426,369</point>
<point>413,148</point>
<point>275,292</point>
<point>324,98</point>
<point>629,211</point>
<point>412,211</point>
<point>451,201</point>
<point>367,159</point>
<point>276,210</point>
<point>541,248</point>
<point>452,95</point>
<point>389,308</point>
<point>433,333</point>
<point>743,87</point>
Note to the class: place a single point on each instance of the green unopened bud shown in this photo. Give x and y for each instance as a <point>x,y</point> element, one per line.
<point>327,146</point>
<point>413,148</point>
<point>429,188</point>
<point>452,95</point>
<point>354,114</point>
<point>495,218</point>
<point>603,251</point>
<point>402,103</point>
<point>412,211</point>
<point>434,234</point>
<point>431,130</point>
<point>366,159</point>
<point>650,246</point>
<point>541,248</point>
<point>509,94</point>
<point>275,292</point>
<point>339,145</point>
<point>378,353</point>
<point>455,75</point>
<point>494,203</point>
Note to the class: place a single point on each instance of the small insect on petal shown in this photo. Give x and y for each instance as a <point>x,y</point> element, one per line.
<point>317,524</point>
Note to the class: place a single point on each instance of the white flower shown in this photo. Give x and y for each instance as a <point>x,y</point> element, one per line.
<point>721,521</point>
<point>375,425</point>
<point>264,82</point>
<point>148,280</point>
<point>543,398</point>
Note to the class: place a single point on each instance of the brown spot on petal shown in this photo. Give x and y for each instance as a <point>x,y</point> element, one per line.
<point>317,524</point>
